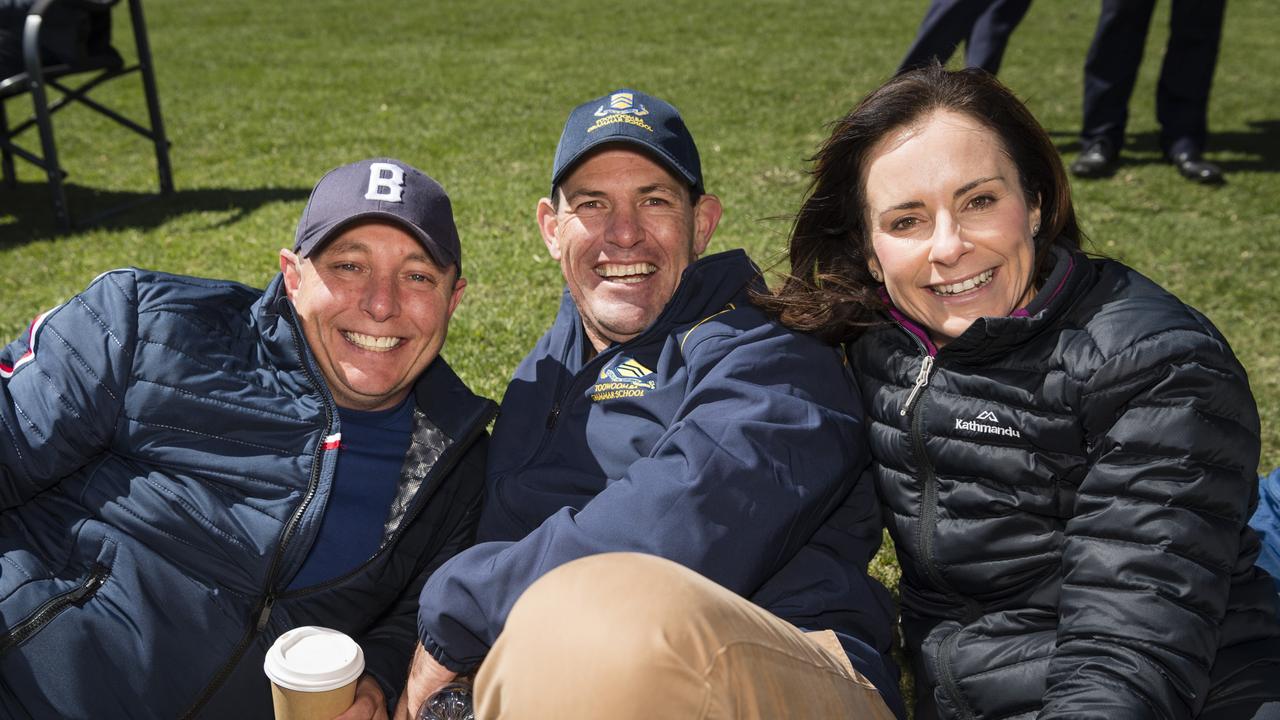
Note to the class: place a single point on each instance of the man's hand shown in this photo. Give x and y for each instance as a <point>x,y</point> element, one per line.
<point>370,703</point>
<point>425,677</point>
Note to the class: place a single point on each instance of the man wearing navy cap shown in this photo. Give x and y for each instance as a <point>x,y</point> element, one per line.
<point>193,467</point>
<point>675,522</point>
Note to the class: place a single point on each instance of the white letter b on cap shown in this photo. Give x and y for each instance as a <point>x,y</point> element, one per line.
<point>386,181</point>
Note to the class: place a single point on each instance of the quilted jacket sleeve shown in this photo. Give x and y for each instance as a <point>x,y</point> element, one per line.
<point>733,488</point>
<point>1173,437</point>
<point>62,385</point>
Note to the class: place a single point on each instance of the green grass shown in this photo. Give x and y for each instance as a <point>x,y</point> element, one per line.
<point>261,98</point>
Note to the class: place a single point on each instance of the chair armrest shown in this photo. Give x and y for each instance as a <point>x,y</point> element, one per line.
<point>31,39</point>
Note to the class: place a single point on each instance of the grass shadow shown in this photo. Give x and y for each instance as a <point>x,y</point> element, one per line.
<point>27,210</point>
<point>1259,145</point>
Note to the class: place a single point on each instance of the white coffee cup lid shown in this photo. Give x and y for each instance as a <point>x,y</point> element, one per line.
<point>313,659</point>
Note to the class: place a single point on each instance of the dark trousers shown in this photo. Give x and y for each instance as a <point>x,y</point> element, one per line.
<point>983,25</point>
<point>1182,96</point>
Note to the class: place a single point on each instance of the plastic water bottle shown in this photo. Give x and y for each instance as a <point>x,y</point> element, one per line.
<point>451,702</point>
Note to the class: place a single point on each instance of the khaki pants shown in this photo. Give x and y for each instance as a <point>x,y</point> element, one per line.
<point>625,635</point>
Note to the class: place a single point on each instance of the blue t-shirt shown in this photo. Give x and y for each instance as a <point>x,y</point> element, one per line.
<point>369,462</point>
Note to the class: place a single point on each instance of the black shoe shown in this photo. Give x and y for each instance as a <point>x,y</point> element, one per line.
<point>1196,169</point>
<point>1098,159</point>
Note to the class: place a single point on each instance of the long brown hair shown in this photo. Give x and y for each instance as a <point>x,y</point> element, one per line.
<point>829,290</point>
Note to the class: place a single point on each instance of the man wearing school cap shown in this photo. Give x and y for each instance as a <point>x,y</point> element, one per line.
<point>192,467</point>
<point>675,522</point>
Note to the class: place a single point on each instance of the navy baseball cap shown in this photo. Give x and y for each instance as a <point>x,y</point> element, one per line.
<point>631,117</point>
<point>381,189</point>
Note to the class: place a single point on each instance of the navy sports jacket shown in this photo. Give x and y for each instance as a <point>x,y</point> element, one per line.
<point>168,450</point>
<point>716,438</point>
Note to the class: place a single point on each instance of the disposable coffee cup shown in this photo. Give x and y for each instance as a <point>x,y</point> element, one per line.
<point>313,672</point>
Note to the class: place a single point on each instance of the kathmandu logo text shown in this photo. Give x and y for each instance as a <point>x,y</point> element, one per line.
<point>985,424</point>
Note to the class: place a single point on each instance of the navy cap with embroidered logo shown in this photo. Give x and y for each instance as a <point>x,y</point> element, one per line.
<point>381,189</point>
<point>632,117</point>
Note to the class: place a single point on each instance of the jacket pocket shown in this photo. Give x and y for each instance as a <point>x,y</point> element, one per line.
<point>51,608</point>
<point>994,668</point>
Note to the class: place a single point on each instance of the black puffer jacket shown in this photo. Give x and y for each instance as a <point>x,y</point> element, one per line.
<point>1068,493</point>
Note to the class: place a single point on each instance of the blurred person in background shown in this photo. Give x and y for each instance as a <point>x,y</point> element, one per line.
<point>1182,94</point>
<point>983,25</point>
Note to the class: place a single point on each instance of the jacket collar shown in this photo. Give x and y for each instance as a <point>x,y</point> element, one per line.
<point>272,314</point>
<point>448,402</point>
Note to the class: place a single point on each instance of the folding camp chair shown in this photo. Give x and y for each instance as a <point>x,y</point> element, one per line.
<point>95,58</point>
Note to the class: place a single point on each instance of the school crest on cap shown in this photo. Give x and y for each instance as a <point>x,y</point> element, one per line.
<point>623,103</point>
<point>621,108</point>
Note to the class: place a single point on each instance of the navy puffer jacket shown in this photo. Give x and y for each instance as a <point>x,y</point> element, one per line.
<point>168,450</point>
<point>1068,494</point>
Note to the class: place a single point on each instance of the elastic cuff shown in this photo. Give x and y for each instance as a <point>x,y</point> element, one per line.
<point>435,651</point>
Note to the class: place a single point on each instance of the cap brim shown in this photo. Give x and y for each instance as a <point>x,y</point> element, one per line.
<point>658,153</point>
<point>418,234</point>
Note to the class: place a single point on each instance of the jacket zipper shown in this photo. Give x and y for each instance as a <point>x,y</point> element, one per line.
<point>929,486</point>
<point>53,606</point>
<point>263,612</point>
<point>922,379</point>
<point>554,415</point>
<point>948,678</point>
<point>928,501</point>
<point>558,405</point>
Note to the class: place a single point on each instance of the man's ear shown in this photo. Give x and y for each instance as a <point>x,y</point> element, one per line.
<point>548,224</point>
<point>706,216</point>
<point>290,266</point>
<point>459,286</point>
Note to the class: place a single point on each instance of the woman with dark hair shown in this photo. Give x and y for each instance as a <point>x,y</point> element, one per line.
<point>1066,454</point>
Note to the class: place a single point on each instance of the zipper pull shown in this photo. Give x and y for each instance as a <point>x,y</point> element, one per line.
<point>551,419</point>
<point>97,576</point>
<point>265,614</point>
<point>921,380</point>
